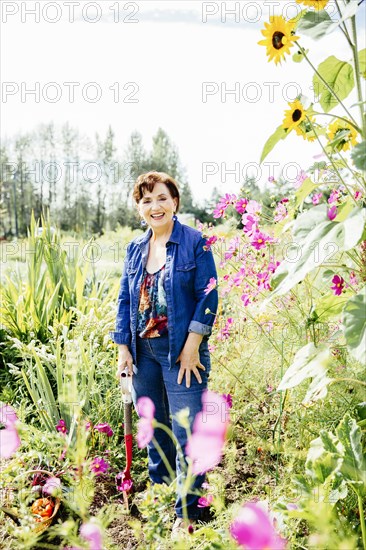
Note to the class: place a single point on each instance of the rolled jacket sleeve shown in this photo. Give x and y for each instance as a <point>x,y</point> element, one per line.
<point>122,334</point>
<point>206,303</point>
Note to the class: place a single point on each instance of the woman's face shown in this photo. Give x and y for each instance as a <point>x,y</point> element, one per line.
<point>157,207</point>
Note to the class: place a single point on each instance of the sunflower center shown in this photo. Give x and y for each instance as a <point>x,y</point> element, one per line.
<point>296,115</point>
<point>278,40</point>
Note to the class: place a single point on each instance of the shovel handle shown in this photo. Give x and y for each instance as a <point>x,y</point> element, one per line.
<point>128,418</point>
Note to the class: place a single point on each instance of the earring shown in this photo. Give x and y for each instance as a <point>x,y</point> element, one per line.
<point>174,217</point>
<point>143,223</point>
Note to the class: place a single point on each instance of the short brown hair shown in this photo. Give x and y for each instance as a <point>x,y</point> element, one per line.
<point>147,182</point>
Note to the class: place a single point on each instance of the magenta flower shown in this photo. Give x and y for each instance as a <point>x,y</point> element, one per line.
<point>104,428</point>
<point>205,445</point>
<point>358,195</point>
<point>209,242</point>
<point>241,205</point>
<point>52,486</point>
<point>259,240</point>
<point>61,427</point>
<point>219,212</point>
<point>211,285</point>
<point>9,438</point>
<point>123,484</point>
<point>263,281</point>
<point>332,213</point>
<point>316,198</point>
<point>334,196</point>
<point>338,284</point>
<point>204,502</point>
<point>99,465</point>
<point>92,533</point>
<point>145,429</point>
<point>250,224</point>
<point>253,530</point>
<point>229,400</point>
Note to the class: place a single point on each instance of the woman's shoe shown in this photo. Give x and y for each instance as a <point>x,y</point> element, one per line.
<point>182,528</point>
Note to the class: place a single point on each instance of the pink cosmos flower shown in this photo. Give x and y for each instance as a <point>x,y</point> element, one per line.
<point>300,178</point>
<point>334,196</point>
<point>271,179</point>
<point>205,445</point>
<point>338,284</point>
<point>316,198</point>
<point>353,279</point>
<point>263,281</point>
<point>99,465</point>
<point>253,530</point>
<point>145,429</point>
<point>245,299</point>
<point>241,205</point>
<point>253,207</point>
<point>229,400</point>
<point>250,224</point>
<point>92,533</point>
<point>209,242</point>
<point>123,484</point>
<point>259,240</point>
<point>211,285</point>
<point>9,438</point>
<point>280,212</point>
<point>104,428</point>
<point>61,427</point>
<point>358,195</point>
<point>204,502</point>
<point>52,486</point>
<point>219,212</point>
<point>332,213</point>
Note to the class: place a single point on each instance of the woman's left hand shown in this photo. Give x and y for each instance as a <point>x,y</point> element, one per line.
<point>189,363</point>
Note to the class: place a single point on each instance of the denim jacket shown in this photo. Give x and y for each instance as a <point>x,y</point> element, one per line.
<point>188,269</point>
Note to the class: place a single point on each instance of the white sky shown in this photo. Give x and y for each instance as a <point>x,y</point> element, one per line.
<point>169,53</point>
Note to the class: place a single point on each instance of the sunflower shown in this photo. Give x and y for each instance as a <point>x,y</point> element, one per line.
<point>344,134</point>
<point>294,116</point>
<point>317,4</point>
<point>278,37</point>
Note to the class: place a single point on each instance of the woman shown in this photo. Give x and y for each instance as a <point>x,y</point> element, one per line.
<point>164,320</point>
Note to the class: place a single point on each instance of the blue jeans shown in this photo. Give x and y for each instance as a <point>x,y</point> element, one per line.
<point>153,378</point>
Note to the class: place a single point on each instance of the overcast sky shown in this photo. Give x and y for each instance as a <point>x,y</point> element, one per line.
<point>171,52</point>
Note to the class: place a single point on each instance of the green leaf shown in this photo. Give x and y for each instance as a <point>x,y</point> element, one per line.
<point>309,362</point>
<point>359,156</point>
<point>330,306</point>
<point>321,463</point>
<point>316,24</point>
<point>298,57</point>
<point>362,62</point>
<point>361,410</point>
<point>317,390</point>
<point>354,322</point>
<point>315,241</point>
<point>349,434</point>
<point>306,188</point>
<point>339,76</point>
<point>280,133</point>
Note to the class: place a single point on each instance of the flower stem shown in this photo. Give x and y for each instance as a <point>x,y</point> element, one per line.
<point>356,127</point>
<point>354,380</point>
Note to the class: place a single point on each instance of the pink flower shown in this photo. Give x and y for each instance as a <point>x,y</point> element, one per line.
<point>219,212</point>
<point>241,205</point>
<point>245,299</point>
<point>316,198</point>
<point>353,279</point>
<point>145,429</point>
<point>263,281</point>
<point>9,438</point>
<point>92,533</point>
<point>300,178</point>
<point>334,196</point>
<point>250,224</point>
<point>99,465</point>
<point>338,284</point>
<point>204,502</point>
<point>253,530</point>
<point>88,425</point>
<point>358,195</point>
<point>253,207</point>
<point>104,428</point>
<point>271,179</point>
<point>61,427</point>
<point>205,445</point>
<point>280,212</point>
<point>229,400</point>
<point>332,213</point>
<point>52,486</point>
<point>259,240</point>
<point>209,242</point>
<point>211,285</point>
<point>211,348</point>
<point>123,484</point>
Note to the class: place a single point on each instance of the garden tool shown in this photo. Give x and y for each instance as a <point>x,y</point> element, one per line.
<point>126,387</point>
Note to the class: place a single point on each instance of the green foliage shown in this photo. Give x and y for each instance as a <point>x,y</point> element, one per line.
<point>339,76</point>
<point>354,321</point>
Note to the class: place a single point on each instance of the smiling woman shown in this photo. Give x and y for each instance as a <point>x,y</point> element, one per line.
<point>166,308</point>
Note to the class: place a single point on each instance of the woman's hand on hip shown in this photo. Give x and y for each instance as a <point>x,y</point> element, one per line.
<point>189,363</point>
<point>124,360</point>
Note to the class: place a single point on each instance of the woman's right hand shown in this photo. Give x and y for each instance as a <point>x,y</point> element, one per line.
<point>124,360</point>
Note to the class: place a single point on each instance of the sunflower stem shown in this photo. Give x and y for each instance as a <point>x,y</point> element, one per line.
<point>357,74</point>
<point>344,28</point>
<point>329,88</point>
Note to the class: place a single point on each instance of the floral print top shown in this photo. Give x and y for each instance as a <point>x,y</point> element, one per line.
<point>152,320</point>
